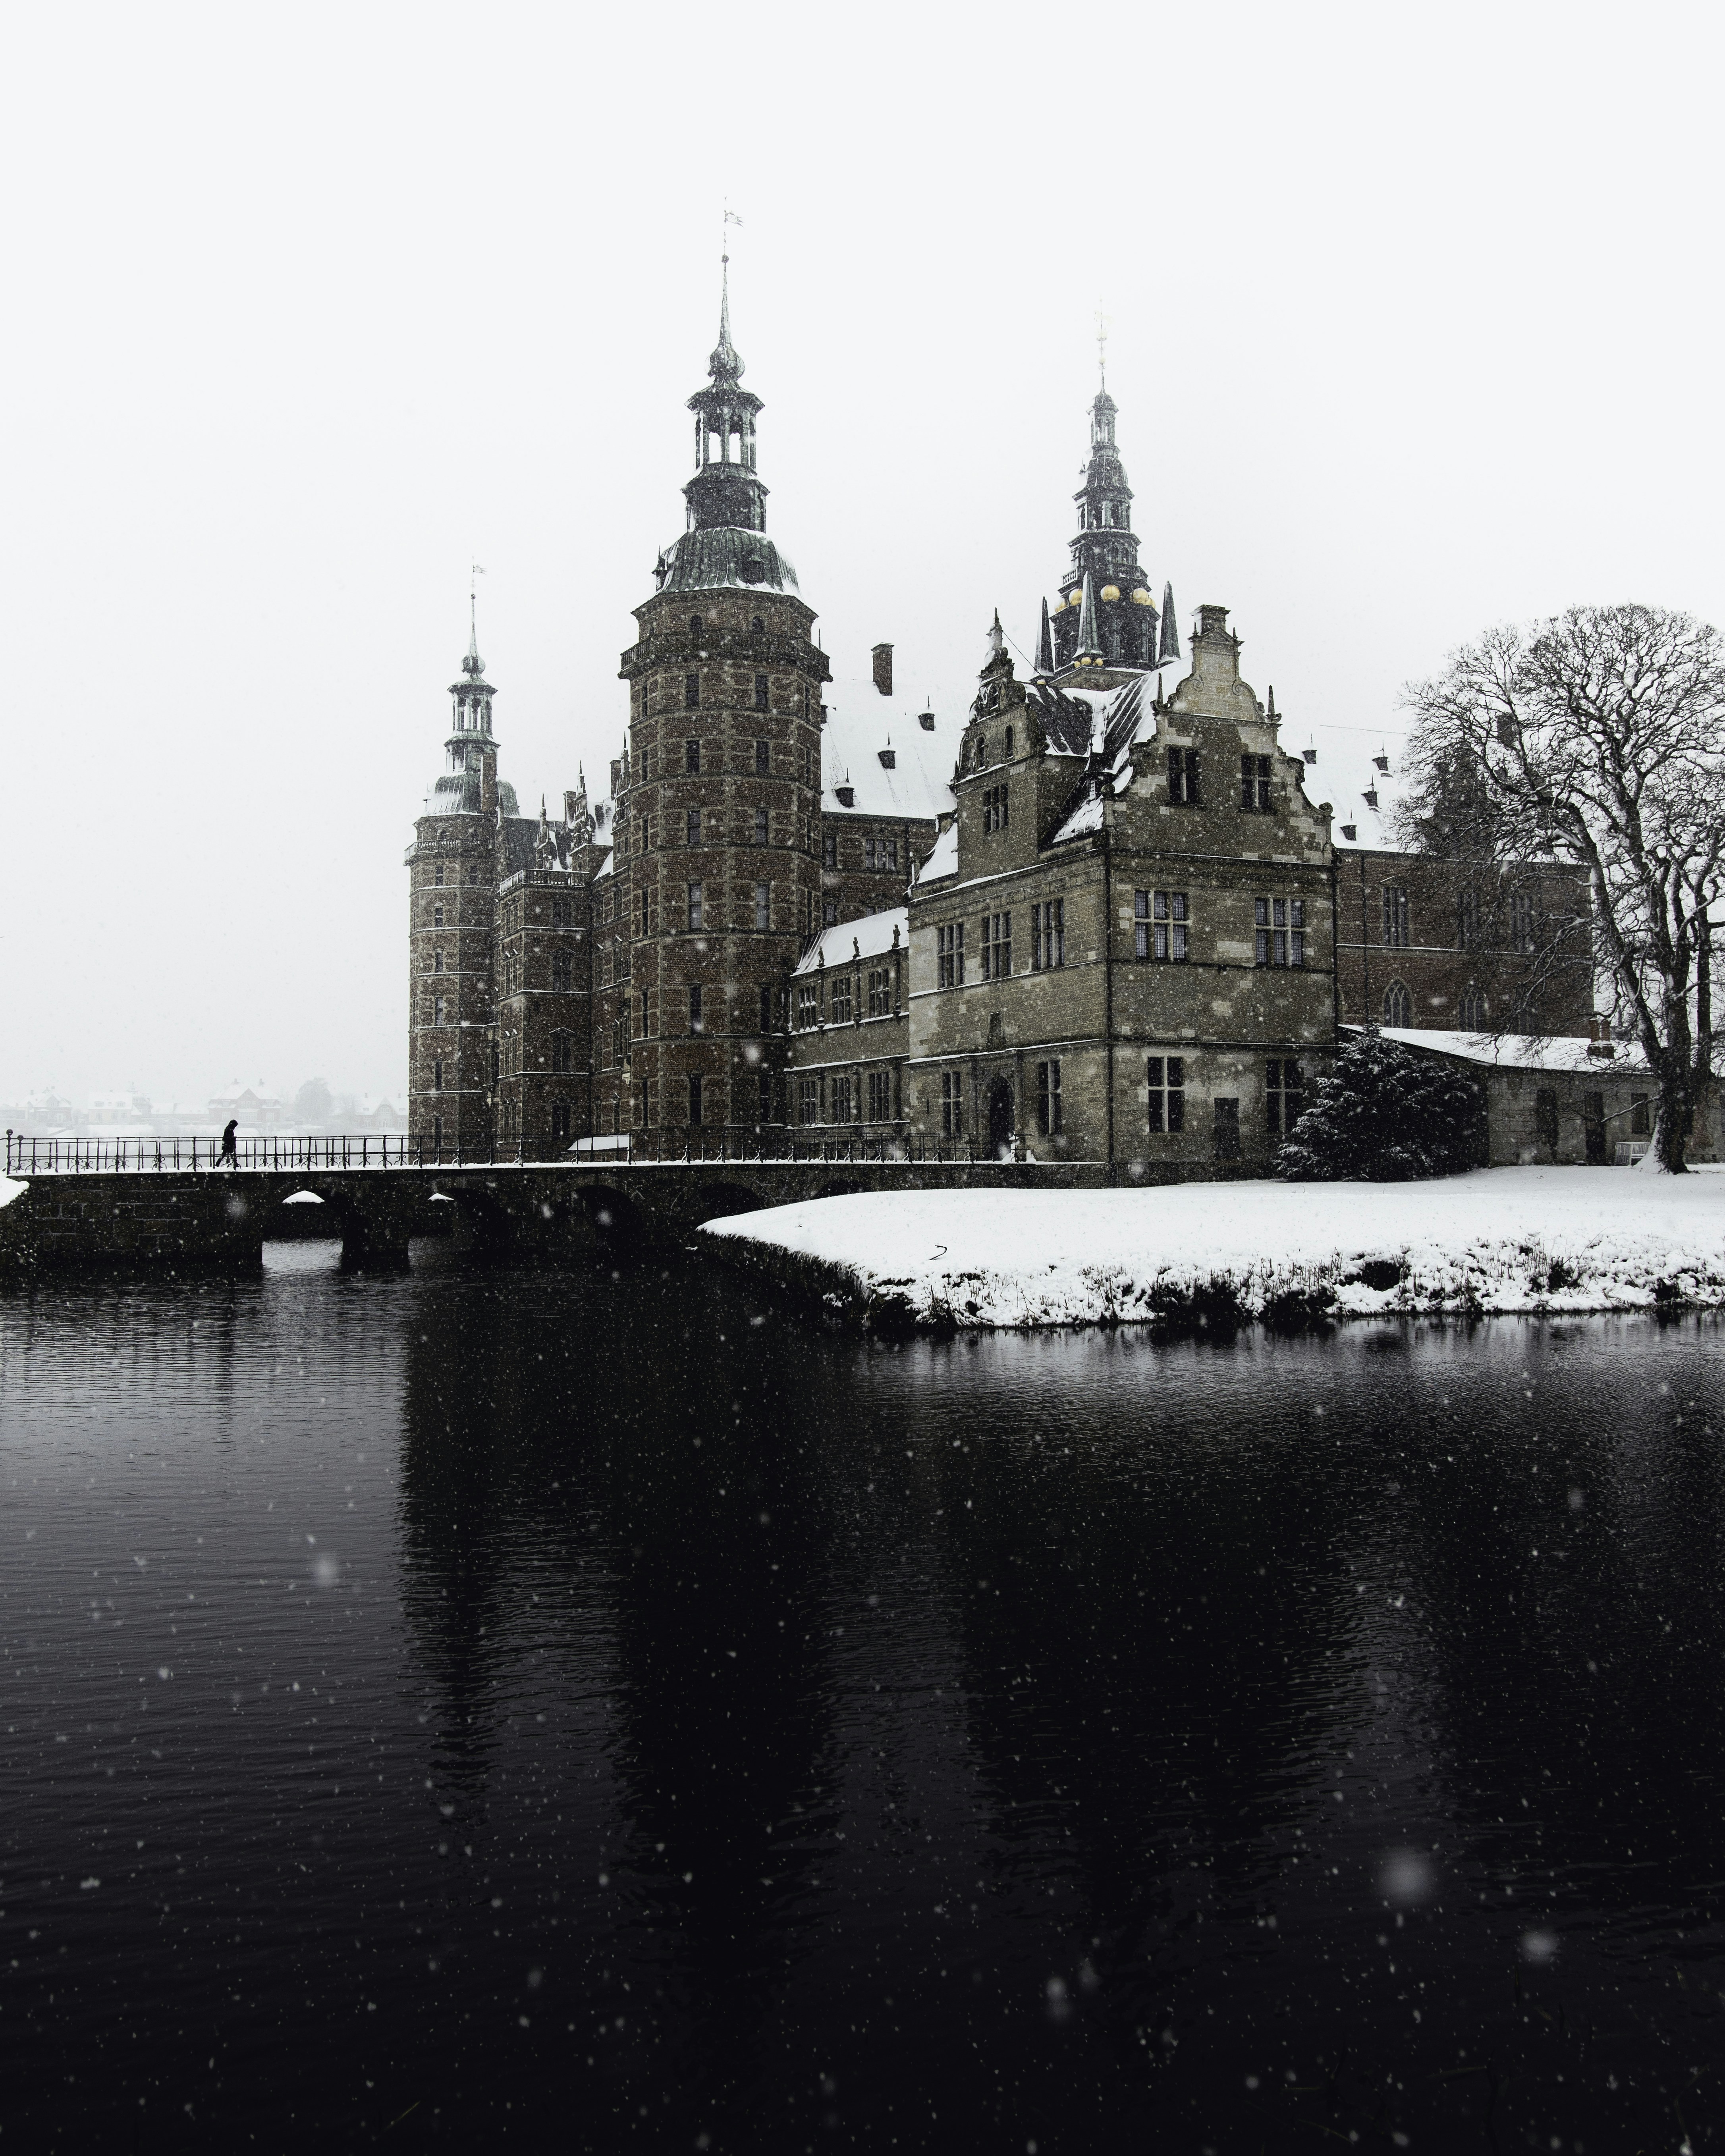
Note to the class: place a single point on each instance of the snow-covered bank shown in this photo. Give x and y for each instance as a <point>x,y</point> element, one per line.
<point>1530,1238</point>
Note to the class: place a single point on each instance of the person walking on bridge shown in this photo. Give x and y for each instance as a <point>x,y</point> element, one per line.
<point>230,1152</point>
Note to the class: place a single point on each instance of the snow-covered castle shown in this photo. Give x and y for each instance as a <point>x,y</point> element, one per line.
<point>1096,916</point>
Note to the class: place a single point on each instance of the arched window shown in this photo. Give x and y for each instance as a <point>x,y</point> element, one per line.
<point>1470,1015</point>
<point>1397,1004</point>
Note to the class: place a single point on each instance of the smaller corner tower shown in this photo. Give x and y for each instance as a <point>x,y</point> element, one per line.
<point>452,868</point>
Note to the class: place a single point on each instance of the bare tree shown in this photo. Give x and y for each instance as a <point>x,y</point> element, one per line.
<point>1599,737</point>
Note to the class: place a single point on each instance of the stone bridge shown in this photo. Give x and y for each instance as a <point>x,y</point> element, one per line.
<point>206,1220</point>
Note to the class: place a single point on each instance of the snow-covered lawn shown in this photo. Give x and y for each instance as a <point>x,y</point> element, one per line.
<point>1521,1238</point>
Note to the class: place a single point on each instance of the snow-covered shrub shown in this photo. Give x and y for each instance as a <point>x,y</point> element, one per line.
<point>1385,1115</point>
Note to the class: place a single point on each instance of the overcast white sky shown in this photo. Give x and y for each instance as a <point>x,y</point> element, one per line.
<point>1414,326</point>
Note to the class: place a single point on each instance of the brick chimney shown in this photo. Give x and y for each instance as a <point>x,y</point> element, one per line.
<point>1599,1043</point>
<point>882,657</point>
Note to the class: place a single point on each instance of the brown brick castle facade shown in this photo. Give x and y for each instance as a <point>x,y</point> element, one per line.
<point>1103,921</point>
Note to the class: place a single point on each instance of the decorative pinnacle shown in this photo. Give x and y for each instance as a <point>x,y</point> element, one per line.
<point>1089,649</point>
<point>725,363</point>
<point>997,637</point>
<point>473,664</point>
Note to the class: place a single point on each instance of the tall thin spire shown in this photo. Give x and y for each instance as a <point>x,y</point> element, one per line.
<point>1089,650</point>
<point>473,664</point>
<point>1170,626</point>
<point>1044,645</point>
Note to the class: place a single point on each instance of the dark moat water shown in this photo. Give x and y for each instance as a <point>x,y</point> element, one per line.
<point>560,1712</point>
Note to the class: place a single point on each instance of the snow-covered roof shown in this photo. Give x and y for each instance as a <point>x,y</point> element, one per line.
<point>943,857</point>
<point>861,723</point>
<point>721,556</point>
<point>871,934</point>
<point>1521,1051</point>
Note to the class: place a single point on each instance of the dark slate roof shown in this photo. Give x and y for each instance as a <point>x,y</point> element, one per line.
<point>723,556</point>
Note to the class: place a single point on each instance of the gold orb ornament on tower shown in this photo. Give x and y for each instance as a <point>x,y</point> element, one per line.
<point>1141,597</point>
<point>1110,593</point>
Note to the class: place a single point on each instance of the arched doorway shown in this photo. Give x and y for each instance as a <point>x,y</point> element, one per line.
<point>1000,1118</point>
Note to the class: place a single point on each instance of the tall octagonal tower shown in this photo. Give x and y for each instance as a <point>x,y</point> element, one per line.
<point>717,830</point>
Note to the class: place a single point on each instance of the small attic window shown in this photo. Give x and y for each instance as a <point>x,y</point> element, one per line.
<point>889,758</point>
<point>845,796</point>
<point>925,720</point>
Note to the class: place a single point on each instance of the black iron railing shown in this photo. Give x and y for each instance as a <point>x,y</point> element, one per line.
<point>27,1156</point>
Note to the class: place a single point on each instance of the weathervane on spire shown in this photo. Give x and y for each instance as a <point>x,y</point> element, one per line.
<point>1102,344</point>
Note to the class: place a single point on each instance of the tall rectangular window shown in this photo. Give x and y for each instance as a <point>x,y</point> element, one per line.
<point>1183,776</point>
<point>1284,1095</point>
<point>646,1011</point>
<point>695,827</point>
<point>1254,784</point>
<point>1521,921</point>
<point>766,1006</point>
<point>995,809</point>
<point>437,962</point>
<point>839,998</point>
<point>949,956</point>
<point>808,1101</point>
<point>880,993</point>
<point>763,759</point>
<point>650,911</point>
<point>1467,921</point>
<point>562,1050</point>
<point>1165,1081</point>
<point>829,849</point>
<point>437,1077</point>
<point>1279,931</point>
<point>844,1111</point>
<point>437,917</point>
<point>763,906</point>
<point>760,827</point>
<point>761,692</point>
<point>997,947</point>
<point>808,1004</point>
<point>562,965</point>
<point>692,692</point>
<point>438,1009</point>
<point>437,874</point>
<point>952,1104</point>
<point>1159,925</point>
<point>695,1024</point>
<point>1048,935</point>
<point>1395,916</point>
<point>695,1097</point>
<point>696,908</point>
<point>1049,1121</point>
<point>880,1097</point>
